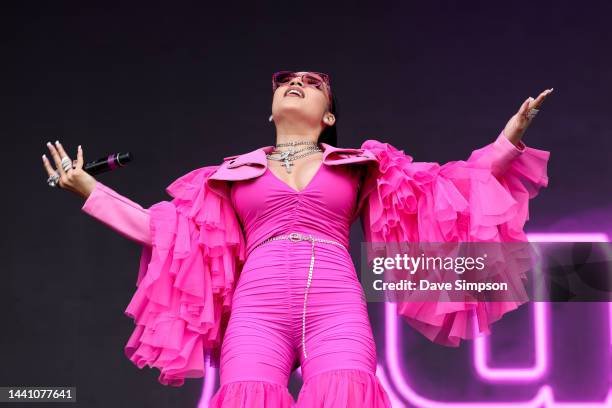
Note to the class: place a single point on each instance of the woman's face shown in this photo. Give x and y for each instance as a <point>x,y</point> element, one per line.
<point>309,107</point>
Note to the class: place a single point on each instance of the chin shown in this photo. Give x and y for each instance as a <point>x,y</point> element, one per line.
<point>293,108</point>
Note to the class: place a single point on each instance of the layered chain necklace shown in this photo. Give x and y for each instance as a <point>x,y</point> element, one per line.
<point>288,156</point>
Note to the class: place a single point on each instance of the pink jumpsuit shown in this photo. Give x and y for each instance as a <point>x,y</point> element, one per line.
<point>483,199</point>
<point>264,334</point>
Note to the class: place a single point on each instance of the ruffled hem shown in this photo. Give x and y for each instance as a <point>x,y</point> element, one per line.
<point>186,280</point>
<point>343,388</point>
<point>447,323</point>
<point>483,199</point>
<point>251,394</point>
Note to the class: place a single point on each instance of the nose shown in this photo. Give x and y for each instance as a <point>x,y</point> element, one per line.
<point>296,80</point>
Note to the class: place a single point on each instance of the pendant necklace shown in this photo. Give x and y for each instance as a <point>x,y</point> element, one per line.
<point>288,156</point>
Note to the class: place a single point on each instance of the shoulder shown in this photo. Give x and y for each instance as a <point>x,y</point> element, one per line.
<point>333,155</point>
<point>374,145</point>
<point>385,152</point>
<point>191,182</point>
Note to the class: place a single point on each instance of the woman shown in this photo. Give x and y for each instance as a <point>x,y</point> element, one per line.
<point>249,262</point>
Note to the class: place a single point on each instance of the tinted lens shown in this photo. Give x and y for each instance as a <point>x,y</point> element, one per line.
<point>313,79</point>
<point>283,77</point>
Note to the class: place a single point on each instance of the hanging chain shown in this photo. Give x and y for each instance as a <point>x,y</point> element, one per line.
<point>288,156</point>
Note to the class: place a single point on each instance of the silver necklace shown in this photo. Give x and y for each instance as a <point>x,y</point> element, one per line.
<point>287,157</point>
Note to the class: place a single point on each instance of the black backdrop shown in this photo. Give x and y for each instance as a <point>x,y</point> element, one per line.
<point>182,87</point>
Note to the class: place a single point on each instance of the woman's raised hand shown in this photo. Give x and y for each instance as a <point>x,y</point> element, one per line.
<point>75,179</point>
<point>516,126</point>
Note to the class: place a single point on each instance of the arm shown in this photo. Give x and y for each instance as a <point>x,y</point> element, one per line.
<point>186,278</point>
<point>502,153</point>
<point>483,199</point>
<point>120,213</point>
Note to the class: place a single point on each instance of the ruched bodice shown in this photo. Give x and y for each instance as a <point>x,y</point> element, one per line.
<point>267,206</point>
<point>299,301</point>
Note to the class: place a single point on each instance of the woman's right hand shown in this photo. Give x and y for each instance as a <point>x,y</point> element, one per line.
<point>76,179</point>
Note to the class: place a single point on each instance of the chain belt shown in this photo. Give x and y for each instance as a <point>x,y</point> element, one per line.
<point>295,237</point>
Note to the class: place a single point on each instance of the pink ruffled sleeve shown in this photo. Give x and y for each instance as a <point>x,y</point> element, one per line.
<point>483,199</point>
<point>186,280</point>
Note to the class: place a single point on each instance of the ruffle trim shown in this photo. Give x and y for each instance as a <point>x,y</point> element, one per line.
<point>483,199</point>
<point>186,280</point>
<point>248,394</point>
<point>343,388</point>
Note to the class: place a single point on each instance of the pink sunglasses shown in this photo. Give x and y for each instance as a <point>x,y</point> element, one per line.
<point>314,79</point>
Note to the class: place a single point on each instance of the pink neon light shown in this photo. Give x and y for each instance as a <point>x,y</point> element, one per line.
<point>536,371</point>
<point>210,380</point>
<point>544,396</point>
<point>568,237</point>
<point>541,313</point>
<point>395,401</point>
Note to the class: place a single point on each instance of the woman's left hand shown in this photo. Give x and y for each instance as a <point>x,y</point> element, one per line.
<point>516,126</point>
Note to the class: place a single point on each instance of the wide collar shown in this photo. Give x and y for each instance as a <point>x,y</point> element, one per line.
<point>254,163</point>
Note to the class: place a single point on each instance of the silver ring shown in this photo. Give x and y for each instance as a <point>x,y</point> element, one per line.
<point>531,113</point>
<point>66,163</point>
<point>53,179</point>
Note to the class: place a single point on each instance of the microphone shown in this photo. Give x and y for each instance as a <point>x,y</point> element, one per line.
<point>109,163</point>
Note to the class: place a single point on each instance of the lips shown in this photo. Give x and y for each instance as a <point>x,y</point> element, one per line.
<point>294,91</point>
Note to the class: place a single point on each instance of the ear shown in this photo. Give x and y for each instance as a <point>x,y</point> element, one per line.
<point>329,119</point>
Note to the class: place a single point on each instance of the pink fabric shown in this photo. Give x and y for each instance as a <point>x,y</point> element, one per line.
<point>195,247</point>
<point>264,333</point>
<point>324,208</point>
<point>251,394</point>
<point>186,280</point>
<point>118,212</point>
<point>343,388</point>
<point>483,199</point>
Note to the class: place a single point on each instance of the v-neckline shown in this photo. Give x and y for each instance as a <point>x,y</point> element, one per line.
<point>291,188</point>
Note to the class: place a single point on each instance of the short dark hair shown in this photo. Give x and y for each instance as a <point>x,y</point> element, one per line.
<point>329,134</point>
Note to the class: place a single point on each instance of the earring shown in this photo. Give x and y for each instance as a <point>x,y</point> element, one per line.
<point>270,118</point>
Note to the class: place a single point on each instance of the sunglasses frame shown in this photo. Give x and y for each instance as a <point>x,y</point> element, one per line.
<point>324,77</point>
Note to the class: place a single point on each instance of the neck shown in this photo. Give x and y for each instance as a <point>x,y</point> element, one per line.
<point>288,138</point>
<point>286,134</point>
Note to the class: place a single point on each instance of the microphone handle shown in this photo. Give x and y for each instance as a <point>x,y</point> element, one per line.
<point>109,163</point>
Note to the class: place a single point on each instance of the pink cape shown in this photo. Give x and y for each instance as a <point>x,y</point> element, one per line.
<point>187,277</point>
<point>483,199</point>
<point>186,280</point>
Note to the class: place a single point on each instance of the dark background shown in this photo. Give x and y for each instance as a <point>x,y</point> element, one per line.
<point>184,86</point>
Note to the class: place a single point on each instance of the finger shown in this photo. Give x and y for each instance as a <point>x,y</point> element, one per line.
<point>540,99</point>
<point>525,107</point>
<point>79,161</point>
<point>47,164</point>
<point>62,153</point>
<point>56,159</point>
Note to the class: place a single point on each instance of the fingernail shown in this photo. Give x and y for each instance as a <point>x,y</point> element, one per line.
<point>79,147</point>
<point>48,143</point>
<point>57,142</point>
<point>44,157</point>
